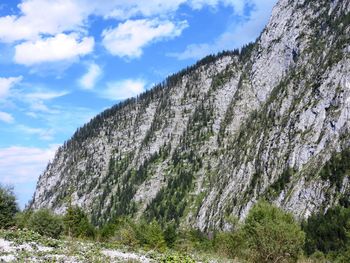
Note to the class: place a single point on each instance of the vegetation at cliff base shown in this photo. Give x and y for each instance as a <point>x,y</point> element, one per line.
<point>8,207</point>
<point>268,234</point>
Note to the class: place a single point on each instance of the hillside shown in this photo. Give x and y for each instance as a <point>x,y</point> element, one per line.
<point>271,121</point>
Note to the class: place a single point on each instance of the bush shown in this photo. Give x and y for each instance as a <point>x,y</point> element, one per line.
<point>176,258</point>
<point>193,240</point>
<point>107,232</point>
<point>151,235</point>
<point>272,235</point>
<point>170,235</point>
<point>229,244</point>
<point>76,223</point>
<point>46,223</point>
<point>8,207</point>
<point>124,232</point>
<point>318,257</point>
<point>22,219</point>
<point>328,232</point>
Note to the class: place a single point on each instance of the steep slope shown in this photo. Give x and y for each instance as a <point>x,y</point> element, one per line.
<point>271,121</point>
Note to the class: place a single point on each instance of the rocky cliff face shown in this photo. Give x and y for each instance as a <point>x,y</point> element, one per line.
<point>271,121</point>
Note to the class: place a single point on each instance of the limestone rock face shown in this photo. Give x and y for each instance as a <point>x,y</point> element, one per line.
<point>267,122</point>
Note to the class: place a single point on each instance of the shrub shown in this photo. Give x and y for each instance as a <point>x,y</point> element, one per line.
<point>170,235</point>
<point>107,232</point>
<point>151,235</point>
<point>192,240</point>
<point>22,219</point>
<point>46,223</point>
<point>124,232</point>
<point>176,258</point>
<point>8,207</point>
<point>229,244</point>
<point>318,257</point>
<point>76,223</point>
<point>327,232</point>
<point>272,235</point>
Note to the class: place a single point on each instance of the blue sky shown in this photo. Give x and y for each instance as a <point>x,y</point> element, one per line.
<point>64,61</point>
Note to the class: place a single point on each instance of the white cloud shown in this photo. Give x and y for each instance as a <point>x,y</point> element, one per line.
<point>124,89</point>
<point>37,98</point>
<point>89,80</point>
<point>44,134</point>
<point>40,29</point>
<point>6,84</point>
<point>23,164</point>
<point>45,95</point>
<point>126,9</point>
<point>58,48</point>
<point>6,117</point>
<point>128,39</point>
<point>195,51</point>
<point>236,35</point>
<point>238,5</point>
<point>42,17</point>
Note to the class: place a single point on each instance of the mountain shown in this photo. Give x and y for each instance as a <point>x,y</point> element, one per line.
<point>269,121</point>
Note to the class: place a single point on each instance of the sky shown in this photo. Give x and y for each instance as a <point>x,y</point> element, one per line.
<point>64,61</point>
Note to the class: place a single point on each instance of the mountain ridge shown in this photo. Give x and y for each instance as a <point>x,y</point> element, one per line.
<point>210,141</point>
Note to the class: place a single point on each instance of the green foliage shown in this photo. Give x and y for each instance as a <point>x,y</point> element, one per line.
<point>150,235</point>
<point>125,233</point>
<point>170,235</point>
<point>170,202</point>
<point>328,232</point>
<point>192,240</point>
<point>134,234</point>
<point>229,244</point>
<point>76,223</point>
<point>107,231</point>
<point>318,257</point>
<point>20,237</point>
<point>46,223</point>
<point>176,258</point>
<point>8,207</point>
<point>272,235</point>
<point>337,168</point>
<point>246,51</point>
<point>22,218</point>
<point>280,184</point>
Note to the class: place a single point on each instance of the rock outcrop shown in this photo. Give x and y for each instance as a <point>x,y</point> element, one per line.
<point>271,121</point>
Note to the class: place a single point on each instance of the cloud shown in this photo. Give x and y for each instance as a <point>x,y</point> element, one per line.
<point>236,35</point>
<point>6,84</point>
<point>44,134</point>
<point>126,9</point>
<point>37,98</point>
<point>45,95</point>
<point>6,117</point>
<point>238,5</point>
<point>124,89</point>
<point>21,166</point>
<point>58,48</point>
<point>128,39</point>
<point>89,80</point>
<point>42,17</point>
<point>46,31</point>
<point>194,51</point>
